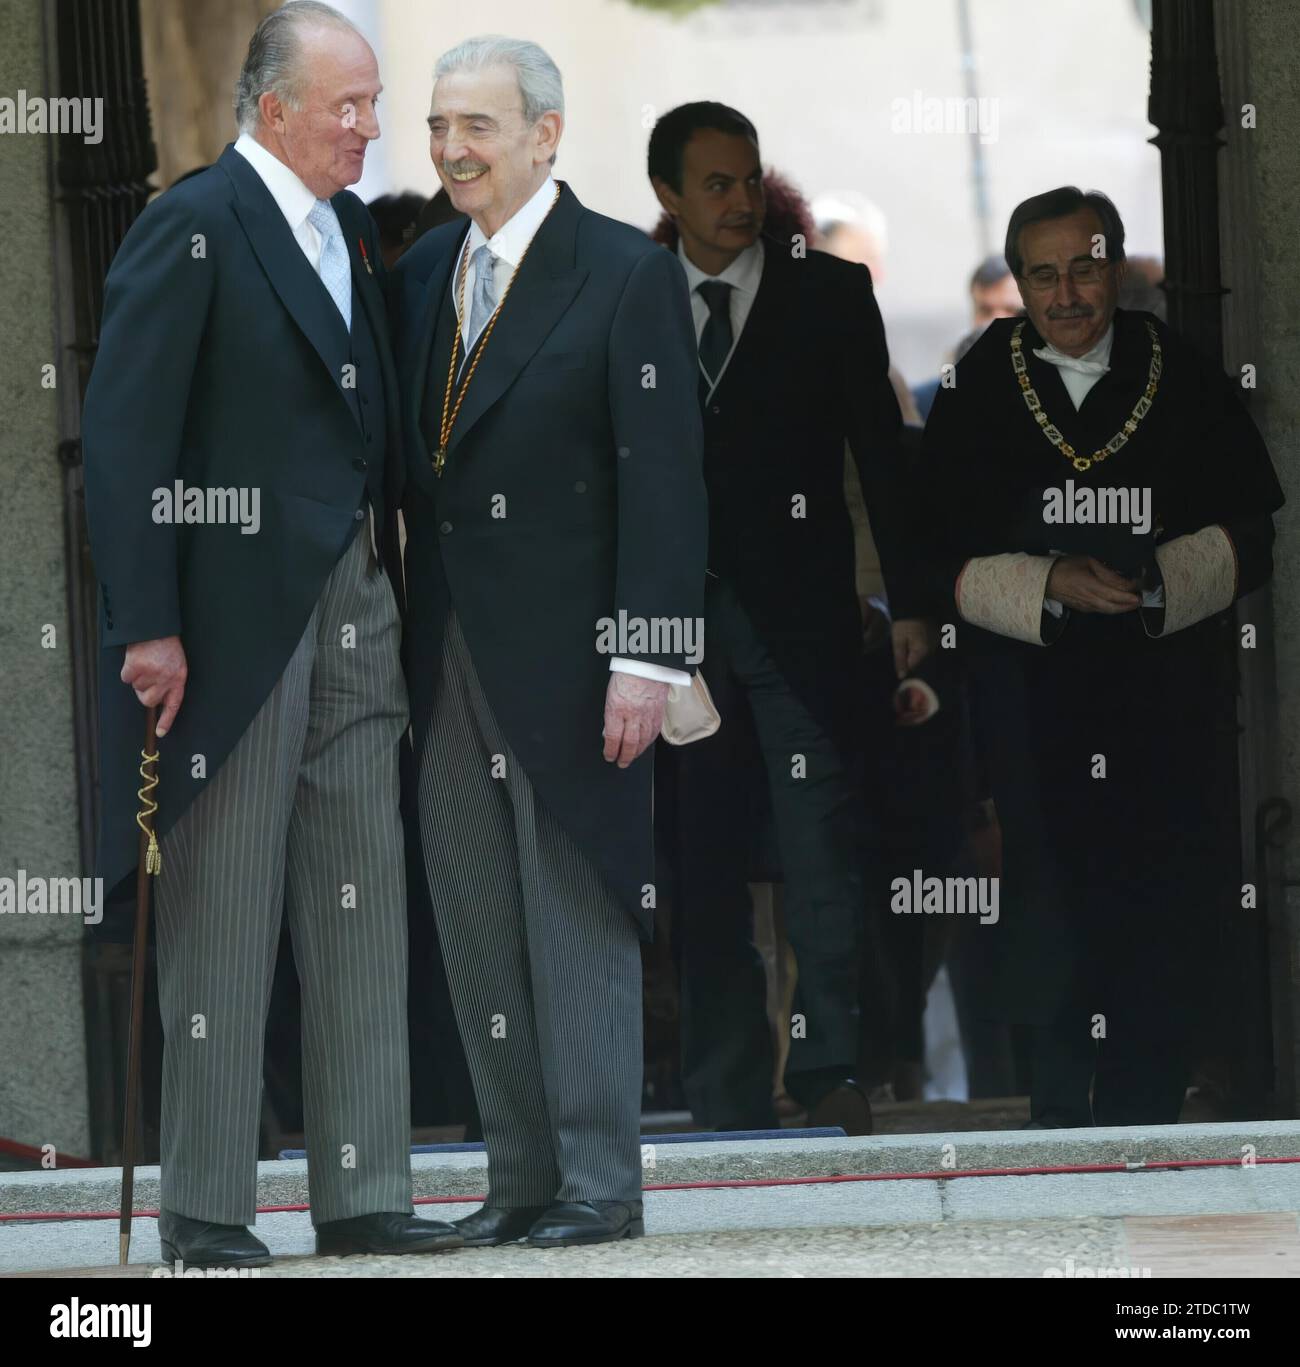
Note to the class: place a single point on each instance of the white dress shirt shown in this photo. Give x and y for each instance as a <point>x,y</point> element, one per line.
<point>508,245</point>
<point>743,275</point>
<point>1080,373</point>
<point>296,201</point>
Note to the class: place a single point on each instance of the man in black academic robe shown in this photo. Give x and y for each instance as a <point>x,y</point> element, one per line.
<point>1099,656</point>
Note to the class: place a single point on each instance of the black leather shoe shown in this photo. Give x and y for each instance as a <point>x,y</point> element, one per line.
<point>199,1243</point>
<point>845,1105</point>
<point>587,1222</point>
<point>498,1224</point>
<point>1055,1120</point>
<point>385,1232</point>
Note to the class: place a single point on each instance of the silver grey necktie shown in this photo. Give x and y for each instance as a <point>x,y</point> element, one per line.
<point>485,293</point>
<point>335,272</point>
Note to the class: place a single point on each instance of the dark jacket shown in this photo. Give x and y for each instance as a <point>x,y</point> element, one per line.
<point>224,363</point>
<point>810,372</point>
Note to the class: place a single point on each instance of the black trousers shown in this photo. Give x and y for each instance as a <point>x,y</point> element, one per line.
<point>916,783</point>
<point>1134,1080</point>
<point>767,734</point>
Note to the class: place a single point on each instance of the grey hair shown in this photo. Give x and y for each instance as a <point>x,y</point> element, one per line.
<point>1060,203</point>
<point>272,64</point>
<point>848,208</point>
<point>540,85</point>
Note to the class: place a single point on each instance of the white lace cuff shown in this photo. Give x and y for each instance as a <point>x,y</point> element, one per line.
<point>1004,593</point>
<point>1200,579</point>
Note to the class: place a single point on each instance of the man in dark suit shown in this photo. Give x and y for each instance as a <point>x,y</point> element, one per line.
<point>792,363</point>
<point>554,496</point>
<point>244,365</point>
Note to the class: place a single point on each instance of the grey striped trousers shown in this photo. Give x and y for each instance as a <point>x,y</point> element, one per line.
<point>543,963</point>
<point>302,816</point>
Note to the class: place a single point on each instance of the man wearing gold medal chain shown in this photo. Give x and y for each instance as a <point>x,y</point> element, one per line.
<point>547,358</point>
<point>1097,646</point>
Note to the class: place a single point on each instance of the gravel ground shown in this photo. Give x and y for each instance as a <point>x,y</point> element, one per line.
<point>945,1249</point>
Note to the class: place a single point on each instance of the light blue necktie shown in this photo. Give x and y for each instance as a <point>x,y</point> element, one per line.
<point>335,270</point>
<point>485,292</point>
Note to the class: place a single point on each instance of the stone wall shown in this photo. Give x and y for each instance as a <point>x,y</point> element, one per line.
<point>1260,232</point>
<point>42,1033</point>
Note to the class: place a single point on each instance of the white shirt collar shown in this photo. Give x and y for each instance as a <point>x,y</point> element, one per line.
<point>743,274</point>
<point>511,239</point>
<point>296,201</point>
<point>1094,362</point>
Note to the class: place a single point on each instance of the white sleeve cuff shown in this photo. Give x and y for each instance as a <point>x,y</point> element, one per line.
<point>643,670</point>
<point>1005,594</point>
<point>1199,572</point>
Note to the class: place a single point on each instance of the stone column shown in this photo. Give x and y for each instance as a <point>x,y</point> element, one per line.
<point>1259,212</point>
<point>42,1032</point>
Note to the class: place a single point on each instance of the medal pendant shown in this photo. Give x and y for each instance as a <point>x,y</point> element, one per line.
<point>439,460</point>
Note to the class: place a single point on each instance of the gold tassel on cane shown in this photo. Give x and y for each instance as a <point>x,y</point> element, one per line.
<point>153,858</point>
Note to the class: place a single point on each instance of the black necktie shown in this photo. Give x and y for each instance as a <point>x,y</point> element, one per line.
<point>715,340</point>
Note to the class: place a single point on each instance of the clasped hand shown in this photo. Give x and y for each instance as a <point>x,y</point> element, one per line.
<point>1085,584</point>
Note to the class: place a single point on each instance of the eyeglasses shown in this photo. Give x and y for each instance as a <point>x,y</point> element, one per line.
<point>1086,272</point>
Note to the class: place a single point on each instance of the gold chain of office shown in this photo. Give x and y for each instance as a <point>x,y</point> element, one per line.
<point>1054,434</point>
<point>450,413</point>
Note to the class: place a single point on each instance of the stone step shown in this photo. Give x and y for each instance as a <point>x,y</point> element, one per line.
<point>284,1183</point>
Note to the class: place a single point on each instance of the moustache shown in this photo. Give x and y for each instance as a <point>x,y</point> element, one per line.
<point>1074,311</point>
<point>457,168</point>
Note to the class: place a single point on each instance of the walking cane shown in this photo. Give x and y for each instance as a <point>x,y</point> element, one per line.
<point>150,865</point>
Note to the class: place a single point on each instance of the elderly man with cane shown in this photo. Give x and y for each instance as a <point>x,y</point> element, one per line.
<point>244,377</point>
